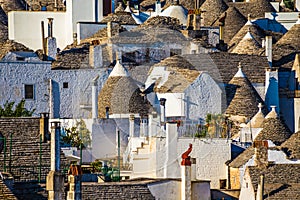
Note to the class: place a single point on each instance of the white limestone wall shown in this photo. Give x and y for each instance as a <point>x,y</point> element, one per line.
<point>13,77</point>
<point>167,190</point>
<point>211,155</point>
<point>286,19</point>
<point>67,101</point>
<point>201,97</point>
<point>19,31</point>
<point>174,105</point>
<point>247,190</point>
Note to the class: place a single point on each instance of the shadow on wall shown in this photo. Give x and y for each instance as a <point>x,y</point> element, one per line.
<point>56,99</point>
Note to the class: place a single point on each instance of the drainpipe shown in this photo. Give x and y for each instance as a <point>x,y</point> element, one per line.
<point>94,98</point>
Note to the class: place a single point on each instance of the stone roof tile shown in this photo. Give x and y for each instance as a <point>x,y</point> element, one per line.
<point>245,99</point>
<point>221,66</point>
<point>287,47</point>
<point>292,146</point>
<point>274,129</point>
<point>10,45</point>
<point>3,17</point>
<point>281,180</point>
<point>257,8</point>
<point>248,45</point>
<point>213,9</point>
<point>255,31</point>
<point>121,17</point>
<point>13,5</point>
<point>233,23</point>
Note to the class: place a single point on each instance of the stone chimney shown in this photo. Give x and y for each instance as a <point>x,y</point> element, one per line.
<point>131,125</point>
<point>268,44</point>
<point>51,46</point>
<point>94,98</point>
<point>186,178</point>
<point>260,188</point>
<point>44,127</point>
<point>55,180</point>
<point>261,153</point>
<point>163,112</point>
<point>107,112</point>
<point>95,56</point>
<point>158,7</point>
<point>171,153</point>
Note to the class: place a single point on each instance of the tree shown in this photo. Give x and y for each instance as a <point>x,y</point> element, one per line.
<point>9,110</point>
<point>77,135</point>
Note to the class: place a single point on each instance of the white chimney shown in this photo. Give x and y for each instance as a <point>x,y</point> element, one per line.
<point>260,188</point>
<point>131,126</point>
<point>297,5</point>
<point>94,98</point>
<point>109,29</point>
<point>162,112</point>
<point>171,153</point>
<point>144,127</point>
<point>55,147</point>
<point>51,46</point>
<point>158,7</point>
<point>186,177</point>
<point>95,56</point>
<point>269,49</point>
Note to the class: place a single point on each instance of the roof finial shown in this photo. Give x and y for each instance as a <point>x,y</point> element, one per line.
<point>240,72</point>
<point>249,20</point>
<point>260,107</point>
<point>272,113</point>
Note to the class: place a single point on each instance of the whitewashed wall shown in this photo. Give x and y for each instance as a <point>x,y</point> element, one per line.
<point>64,24</point>
<point>67,101</point>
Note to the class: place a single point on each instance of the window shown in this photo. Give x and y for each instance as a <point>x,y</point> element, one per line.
<point>174,52</point>
<point>20,59</point>
<point>65,85</point>
<point>29,92</point>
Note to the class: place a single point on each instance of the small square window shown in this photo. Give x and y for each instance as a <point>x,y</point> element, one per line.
<point>174,52</point>
<point>20,59</point>
<point>65,85</point>
<point>29,92</point>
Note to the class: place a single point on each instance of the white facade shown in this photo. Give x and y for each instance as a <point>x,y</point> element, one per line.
<point>286,19</point>
<point>64,24</point>
<point>155,157</point>
<point>68,96</point>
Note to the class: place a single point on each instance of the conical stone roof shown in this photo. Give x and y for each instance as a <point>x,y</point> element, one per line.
<point>285,49</point>
<point>9,46</point>
<point>257,8</point>
<point>292,146</point>
<point>120,17</point>
<point>3,33</point>
<point>274,129</point>
<point>255,31</point>
<point>121,95</point>
<point>233,23</point>
<point>245,99</point>
<point>213,9</point>
<point>257,120</point>
<point>248,45</point>
<point>13,5</point>
<point>3,16</point>
<point>176,11</point>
